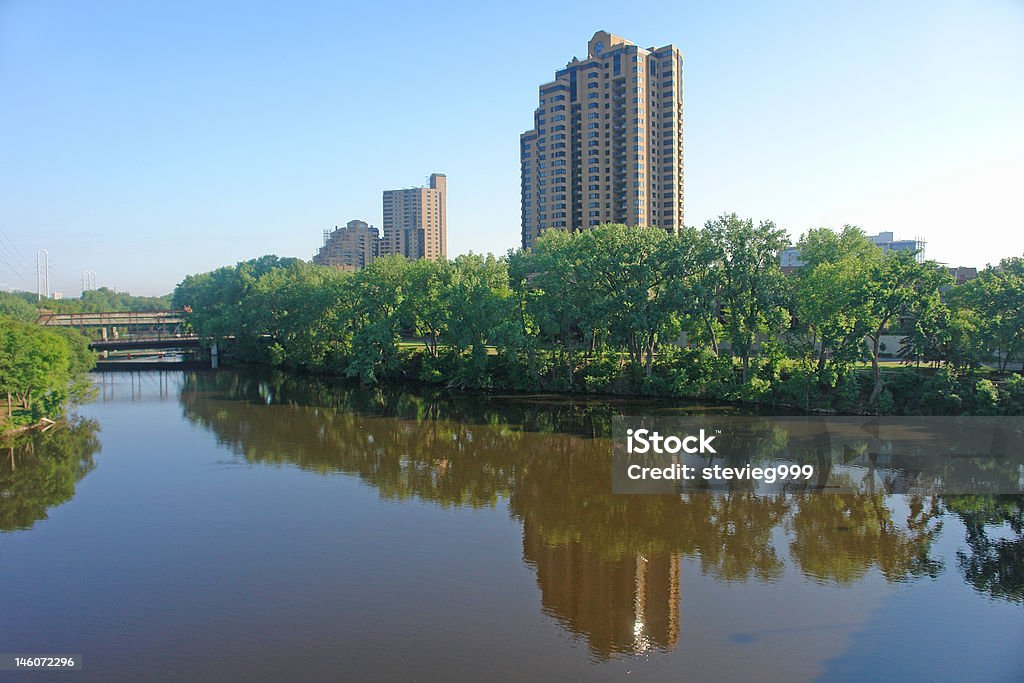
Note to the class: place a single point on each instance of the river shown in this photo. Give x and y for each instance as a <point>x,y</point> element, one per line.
<point>234,525</point>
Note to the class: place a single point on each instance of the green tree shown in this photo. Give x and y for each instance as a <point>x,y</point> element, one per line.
<point>305,310</point>
<point>480,301</point>
<point>220,304</point>
<point>15,307</point>
<point>41,369</point>
<point>639,278</point>
<point>752,285</point>
<point>379,292</point>
<point>993,305</point>
<point>897,285</point>
<point>426,306</point>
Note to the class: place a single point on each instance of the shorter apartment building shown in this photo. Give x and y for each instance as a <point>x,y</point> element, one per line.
<point>350,248</point>
<point>416,221</point>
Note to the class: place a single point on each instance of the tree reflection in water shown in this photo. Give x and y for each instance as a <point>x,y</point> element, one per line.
<point>995,565</point>
<point>608,566</point>
<point>39,471</point>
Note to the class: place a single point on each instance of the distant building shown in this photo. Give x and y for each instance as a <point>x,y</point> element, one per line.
<point>962,274</point>
<point>789,259</point>
<point>416,220</point>
<point>349,248</point>
<point>606,144</point>
<point>886,241</point>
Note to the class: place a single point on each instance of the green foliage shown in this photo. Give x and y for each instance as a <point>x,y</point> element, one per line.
<point>626,310</point>
<point>831,296</point>
<point>992,314</point>
<point>17,308</point>
<point>604,373</point>
<point>102,299</point>
<point>41,369</point>
<point>752,288</point>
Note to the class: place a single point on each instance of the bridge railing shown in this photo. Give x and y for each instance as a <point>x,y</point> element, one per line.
<point>113,318</point>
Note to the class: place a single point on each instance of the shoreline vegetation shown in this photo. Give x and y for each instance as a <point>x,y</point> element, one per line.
<point>43,371</point>
<point>705,315</point>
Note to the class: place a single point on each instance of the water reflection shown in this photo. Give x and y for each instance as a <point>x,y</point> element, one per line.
<point>995,563</point>
<point>39,471</point>
<point>608,566</point>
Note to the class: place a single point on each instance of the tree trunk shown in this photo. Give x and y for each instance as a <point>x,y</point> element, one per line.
<point>711,333</point>
<point>650,354</point>
<point>822,361</point>
<point>568,359</point>
<point>746,365</point>
<point>876,371</point>
<point>635,354</point>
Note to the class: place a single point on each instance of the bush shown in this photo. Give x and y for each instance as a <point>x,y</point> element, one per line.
<point>986,398</point>
<point>602,374</point>
<point>941,394</point>
<point>699,373</point>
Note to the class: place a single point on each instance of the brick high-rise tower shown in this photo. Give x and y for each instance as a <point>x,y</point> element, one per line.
<point>607,141</point>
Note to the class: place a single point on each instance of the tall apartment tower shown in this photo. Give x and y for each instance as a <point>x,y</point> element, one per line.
<point>416,220</point>
<point>607,141</point>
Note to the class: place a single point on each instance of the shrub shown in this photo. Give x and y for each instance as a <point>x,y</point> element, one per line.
<point>986,398</point>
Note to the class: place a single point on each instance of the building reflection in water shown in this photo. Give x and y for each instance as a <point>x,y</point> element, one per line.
<point>624,604</point>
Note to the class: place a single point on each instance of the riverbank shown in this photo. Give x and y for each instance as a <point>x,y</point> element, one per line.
<point>43,425</point>
<point>690,375</point>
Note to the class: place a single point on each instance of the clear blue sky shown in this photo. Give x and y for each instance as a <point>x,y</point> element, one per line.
<point>149,140</point>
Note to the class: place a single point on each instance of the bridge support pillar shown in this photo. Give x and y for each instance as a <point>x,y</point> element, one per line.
<point>213,355</point>
<point>103,330</point>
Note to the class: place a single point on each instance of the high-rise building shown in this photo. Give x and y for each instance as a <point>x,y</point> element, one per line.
<point>416,220</point>
<point>349,248</point>
<point>607,141</point>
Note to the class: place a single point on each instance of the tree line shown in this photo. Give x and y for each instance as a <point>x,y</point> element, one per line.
<point>705,314</point>
<point>41,371</point>
<point>25,305</point>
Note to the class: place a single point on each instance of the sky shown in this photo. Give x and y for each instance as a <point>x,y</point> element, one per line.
<point>149,140</point>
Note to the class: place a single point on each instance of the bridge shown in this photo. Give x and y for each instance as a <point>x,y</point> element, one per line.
<point>189,341</point>
<point>154,333</point>
<point>159,323</point>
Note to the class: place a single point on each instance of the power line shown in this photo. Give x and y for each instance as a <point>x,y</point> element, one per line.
<point>8,257</point>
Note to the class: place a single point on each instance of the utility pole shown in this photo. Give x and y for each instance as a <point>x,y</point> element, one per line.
<point>42,274</point>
